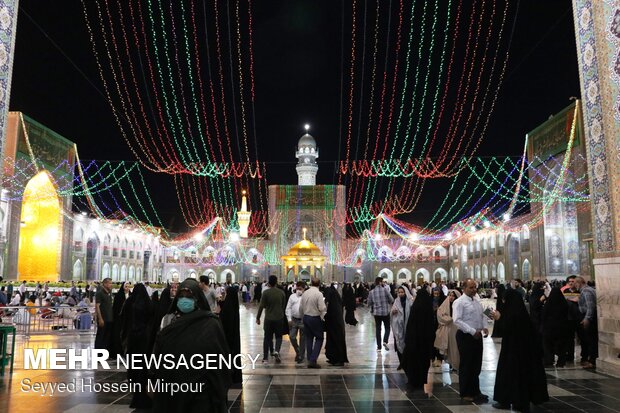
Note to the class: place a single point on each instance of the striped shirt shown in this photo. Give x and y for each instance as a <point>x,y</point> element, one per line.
<point>587,302</point>
<point>380,300</point>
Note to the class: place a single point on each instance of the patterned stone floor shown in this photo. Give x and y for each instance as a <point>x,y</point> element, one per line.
<point>370,383</point>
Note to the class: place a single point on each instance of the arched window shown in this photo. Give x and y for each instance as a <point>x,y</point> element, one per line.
<point>124,249</point>
<point>78,240</point>
<point>106,245</point>
<point>116,246</point>
<point>463,253</point>
<point>525,269</point>
<point>525,236</point>
<point>105,272</point>
<point>501,274</point>
<point>526,232</point>
<point>77,270</point>
<point>115,272</point>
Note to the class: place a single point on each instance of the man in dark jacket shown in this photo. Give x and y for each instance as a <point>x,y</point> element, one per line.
<point>273,301</point>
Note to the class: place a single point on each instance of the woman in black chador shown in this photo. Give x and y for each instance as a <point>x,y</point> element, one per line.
<point>419,339</point>
<point>229,316</point>
<point>160,309</point>
<point>555,328</point>
<point>520,377</point>
<point>498,326</point>
<point>117,308</point>
<point>348,300</point>
<point>192,330</point>
<point>137,323</point>
<point>258,292</point>
<point>335,345</point>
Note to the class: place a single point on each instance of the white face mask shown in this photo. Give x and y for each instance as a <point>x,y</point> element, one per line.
<point>299,292</point>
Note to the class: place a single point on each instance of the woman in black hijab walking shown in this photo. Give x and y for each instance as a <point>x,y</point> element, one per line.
<point>335,345</point>
<point>348,300</point>
<point>555,328</point>
<point>520,378</point>
<point>419,339</point>
<point>498,326</point>
<point>137,323</point>
<point>192,330</point>
<point>117,307</point>
<point>229,316</point>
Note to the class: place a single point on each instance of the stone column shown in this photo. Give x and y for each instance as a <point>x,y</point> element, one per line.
<point>597,32</point>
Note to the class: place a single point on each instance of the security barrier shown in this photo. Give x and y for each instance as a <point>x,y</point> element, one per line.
<point>49,320</point>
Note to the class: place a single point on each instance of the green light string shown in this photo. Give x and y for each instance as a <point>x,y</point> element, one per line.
<point>417,77</point>
<point>440,75</point>
<point>524,198</point>
<point>144,213</point>
<point>445,215</point>
<point>171,120</point>
<point>191,79</point>
<point>76,191</point>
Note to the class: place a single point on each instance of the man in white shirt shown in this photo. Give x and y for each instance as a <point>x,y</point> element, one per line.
<point>22,290</point>
<point>295,323</point>
<point>312,310</point>
<point>209,293</point>
<point>16,300</point>
<point>468,316</point>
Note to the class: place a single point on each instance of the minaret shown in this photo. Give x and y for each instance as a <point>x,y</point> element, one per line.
<point>243,217</point>
<point>307,153</point>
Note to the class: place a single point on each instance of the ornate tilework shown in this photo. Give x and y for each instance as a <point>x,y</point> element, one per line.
<point>588,53</point>
<point>8,22</point>
<point>613,36</point>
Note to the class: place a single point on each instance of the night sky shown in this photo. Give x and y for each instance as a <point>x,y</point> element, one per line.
<point>297,69</point>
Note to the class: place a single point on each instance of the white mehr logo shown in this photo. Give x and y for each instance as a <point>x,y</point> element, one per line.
<point>65,359</point>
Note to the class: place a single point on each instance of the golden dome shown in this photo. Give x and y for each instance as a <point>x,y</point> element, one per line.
<point>305,248</point>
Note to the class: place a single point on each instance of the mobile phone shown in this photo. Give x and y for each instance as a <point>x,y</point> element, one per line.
<point>487,312</point>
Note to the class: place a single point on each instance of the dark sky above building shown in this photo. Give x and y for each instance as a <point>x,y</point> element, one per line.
<point>297,69</point>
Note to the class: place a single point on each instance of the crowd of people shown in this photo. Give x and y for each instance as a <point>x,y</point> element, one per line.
<point>432,325</point>
<point>443,325</point>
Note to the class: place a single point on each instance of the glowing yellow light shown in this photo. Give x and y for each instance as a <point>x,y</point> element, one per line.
<point>40,234</point>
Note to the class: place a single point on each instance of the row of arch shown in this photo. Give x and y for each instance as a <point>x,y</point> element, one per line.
<point>226,275</point>
<point>483,243</point>
<point>482,272</point>
<point>406,274</point>
<point>118,273</point>
<point>404,253</point>
<point>132,249</point>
